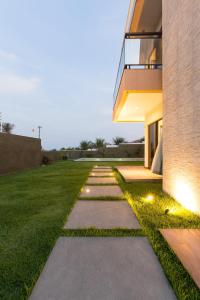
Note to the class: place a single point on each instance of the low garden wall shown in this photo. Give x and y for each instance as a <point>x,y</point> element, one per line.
<point>19,153</point>
<point>122,151</point>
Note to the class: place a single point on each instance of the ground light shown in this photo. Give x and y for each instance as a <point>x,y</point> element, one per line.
<point>87,190</point>
<point>149,198</point>
<point>172,211</point>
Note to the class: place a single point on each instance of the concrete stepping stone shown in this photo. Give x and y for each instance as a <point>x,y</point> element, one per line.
<point>102,215</point>
<point>102,170</point>
<point>102,167</point>
<point>138,173</point>
<point>186,244</point>
<point>101,174</point>
<point>101,180</point>
<point>102,268</point>
<point>96,191</point>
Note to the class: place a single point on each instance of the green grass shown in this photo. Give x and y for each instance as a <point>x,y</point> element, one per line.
<point>152,217</point>
<point>34,206</point>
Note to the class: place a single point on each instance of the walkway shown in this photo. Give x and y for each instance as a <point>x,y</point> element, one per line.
<point>138,173</point>
<point>110,268</point>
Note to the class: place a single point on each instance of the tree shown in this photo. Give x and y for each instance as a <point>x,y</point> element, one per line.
<point>7,127</point>
<point>118,140</point>
<point>91,145</point>
<point>99,143</point>
<point>141,140</point>
<point>84,145</point>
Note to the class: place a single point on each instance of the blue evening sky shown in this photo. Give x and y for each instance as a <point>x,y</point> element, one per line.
<point>58,65</point>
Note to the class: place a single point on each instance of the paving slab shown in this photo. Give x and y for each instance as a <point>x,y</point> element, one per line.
<point>102,167</point>
<point>186,245</point>
<point>102,215</point>
<point>101,174</point>
<point>138,173</point>
<point>96,191</point>
<point>102,268</point>
<point>102,170</point>
<point>101,180</point>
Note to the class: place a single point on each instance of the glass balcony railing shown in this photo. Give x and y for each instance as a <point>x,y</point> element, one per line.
<point>139,51</point>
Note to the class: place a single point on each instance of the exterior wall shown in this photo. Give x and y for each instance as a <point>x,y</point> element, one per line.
<point>181,86</point>
<point>152,117</point>
<point>123,151</point>
<point>18,153</point>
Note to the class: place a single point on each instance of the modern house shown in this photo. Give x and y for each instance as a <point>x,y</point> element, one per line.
<point>158,83</point>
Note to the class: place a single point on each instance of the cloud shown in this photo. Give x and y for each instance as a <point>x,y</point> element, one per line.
<point>15,84</point>
<point>4,55</point>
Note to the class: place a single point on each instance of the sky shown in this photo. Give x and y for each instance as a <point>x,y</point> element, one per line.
<point>58,65</point>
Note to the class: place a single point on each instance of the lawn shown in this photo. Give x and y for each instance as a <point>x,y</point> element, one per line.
<point>163,212</point>
<point>33,209</point>
<point>34,206</point>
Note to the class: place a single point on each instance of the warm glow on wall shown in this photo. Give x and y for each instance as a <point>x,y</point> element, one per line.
<point>183,192</point>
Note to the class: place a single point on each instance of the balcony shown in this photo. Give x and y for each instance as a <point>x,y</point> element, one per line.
<point>138,87</point>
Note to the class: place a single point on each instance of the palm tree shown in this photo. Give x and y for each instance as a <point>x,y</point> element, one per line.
<point>118,140</point>
<point>99,143</point>
<point>91,145</point>
<point>7,127</point>
<point>84,145</point>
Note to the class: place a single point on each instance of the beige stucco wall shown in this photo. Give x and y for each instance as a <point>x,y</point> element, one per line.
<point>152,117</point>
<point>181,87</point>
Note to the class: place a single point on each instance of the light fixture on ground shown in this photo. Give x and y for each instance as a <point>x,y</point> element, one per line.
<point>149,198</point>
<point>87,190</point>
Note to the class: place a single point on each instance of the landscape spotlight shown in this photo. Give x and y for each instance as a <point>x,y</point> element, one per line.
<point>150,198</point>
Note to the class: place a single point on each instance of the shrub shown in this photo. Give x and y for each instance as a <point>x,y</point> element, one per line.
<point>65,157</point>
<point>45,160</point>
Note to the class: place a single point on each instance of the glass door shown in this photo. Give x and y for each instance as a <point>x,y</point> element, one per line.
<point>155,131</point>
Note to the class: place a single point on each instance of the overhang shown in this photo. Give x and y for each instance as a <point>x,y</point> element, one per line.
<point>144,16</point>
<point>139,93</point>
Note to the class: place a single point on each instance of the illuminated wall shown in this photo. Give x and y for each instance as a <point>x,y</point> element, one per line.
<point>181,87</point>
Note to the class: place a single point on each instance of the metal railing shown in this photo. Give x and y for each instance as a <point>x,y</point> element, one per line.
<point>139,51</point>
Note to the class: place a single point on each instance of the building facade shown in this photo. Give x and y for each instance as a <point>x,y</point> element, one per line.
<point>158,83</point>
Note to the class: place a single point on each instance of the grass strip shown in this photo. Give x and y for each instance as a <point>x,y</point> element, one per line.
<point>152,216</point>
<point>94,232</point>
<point>102,198</point>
